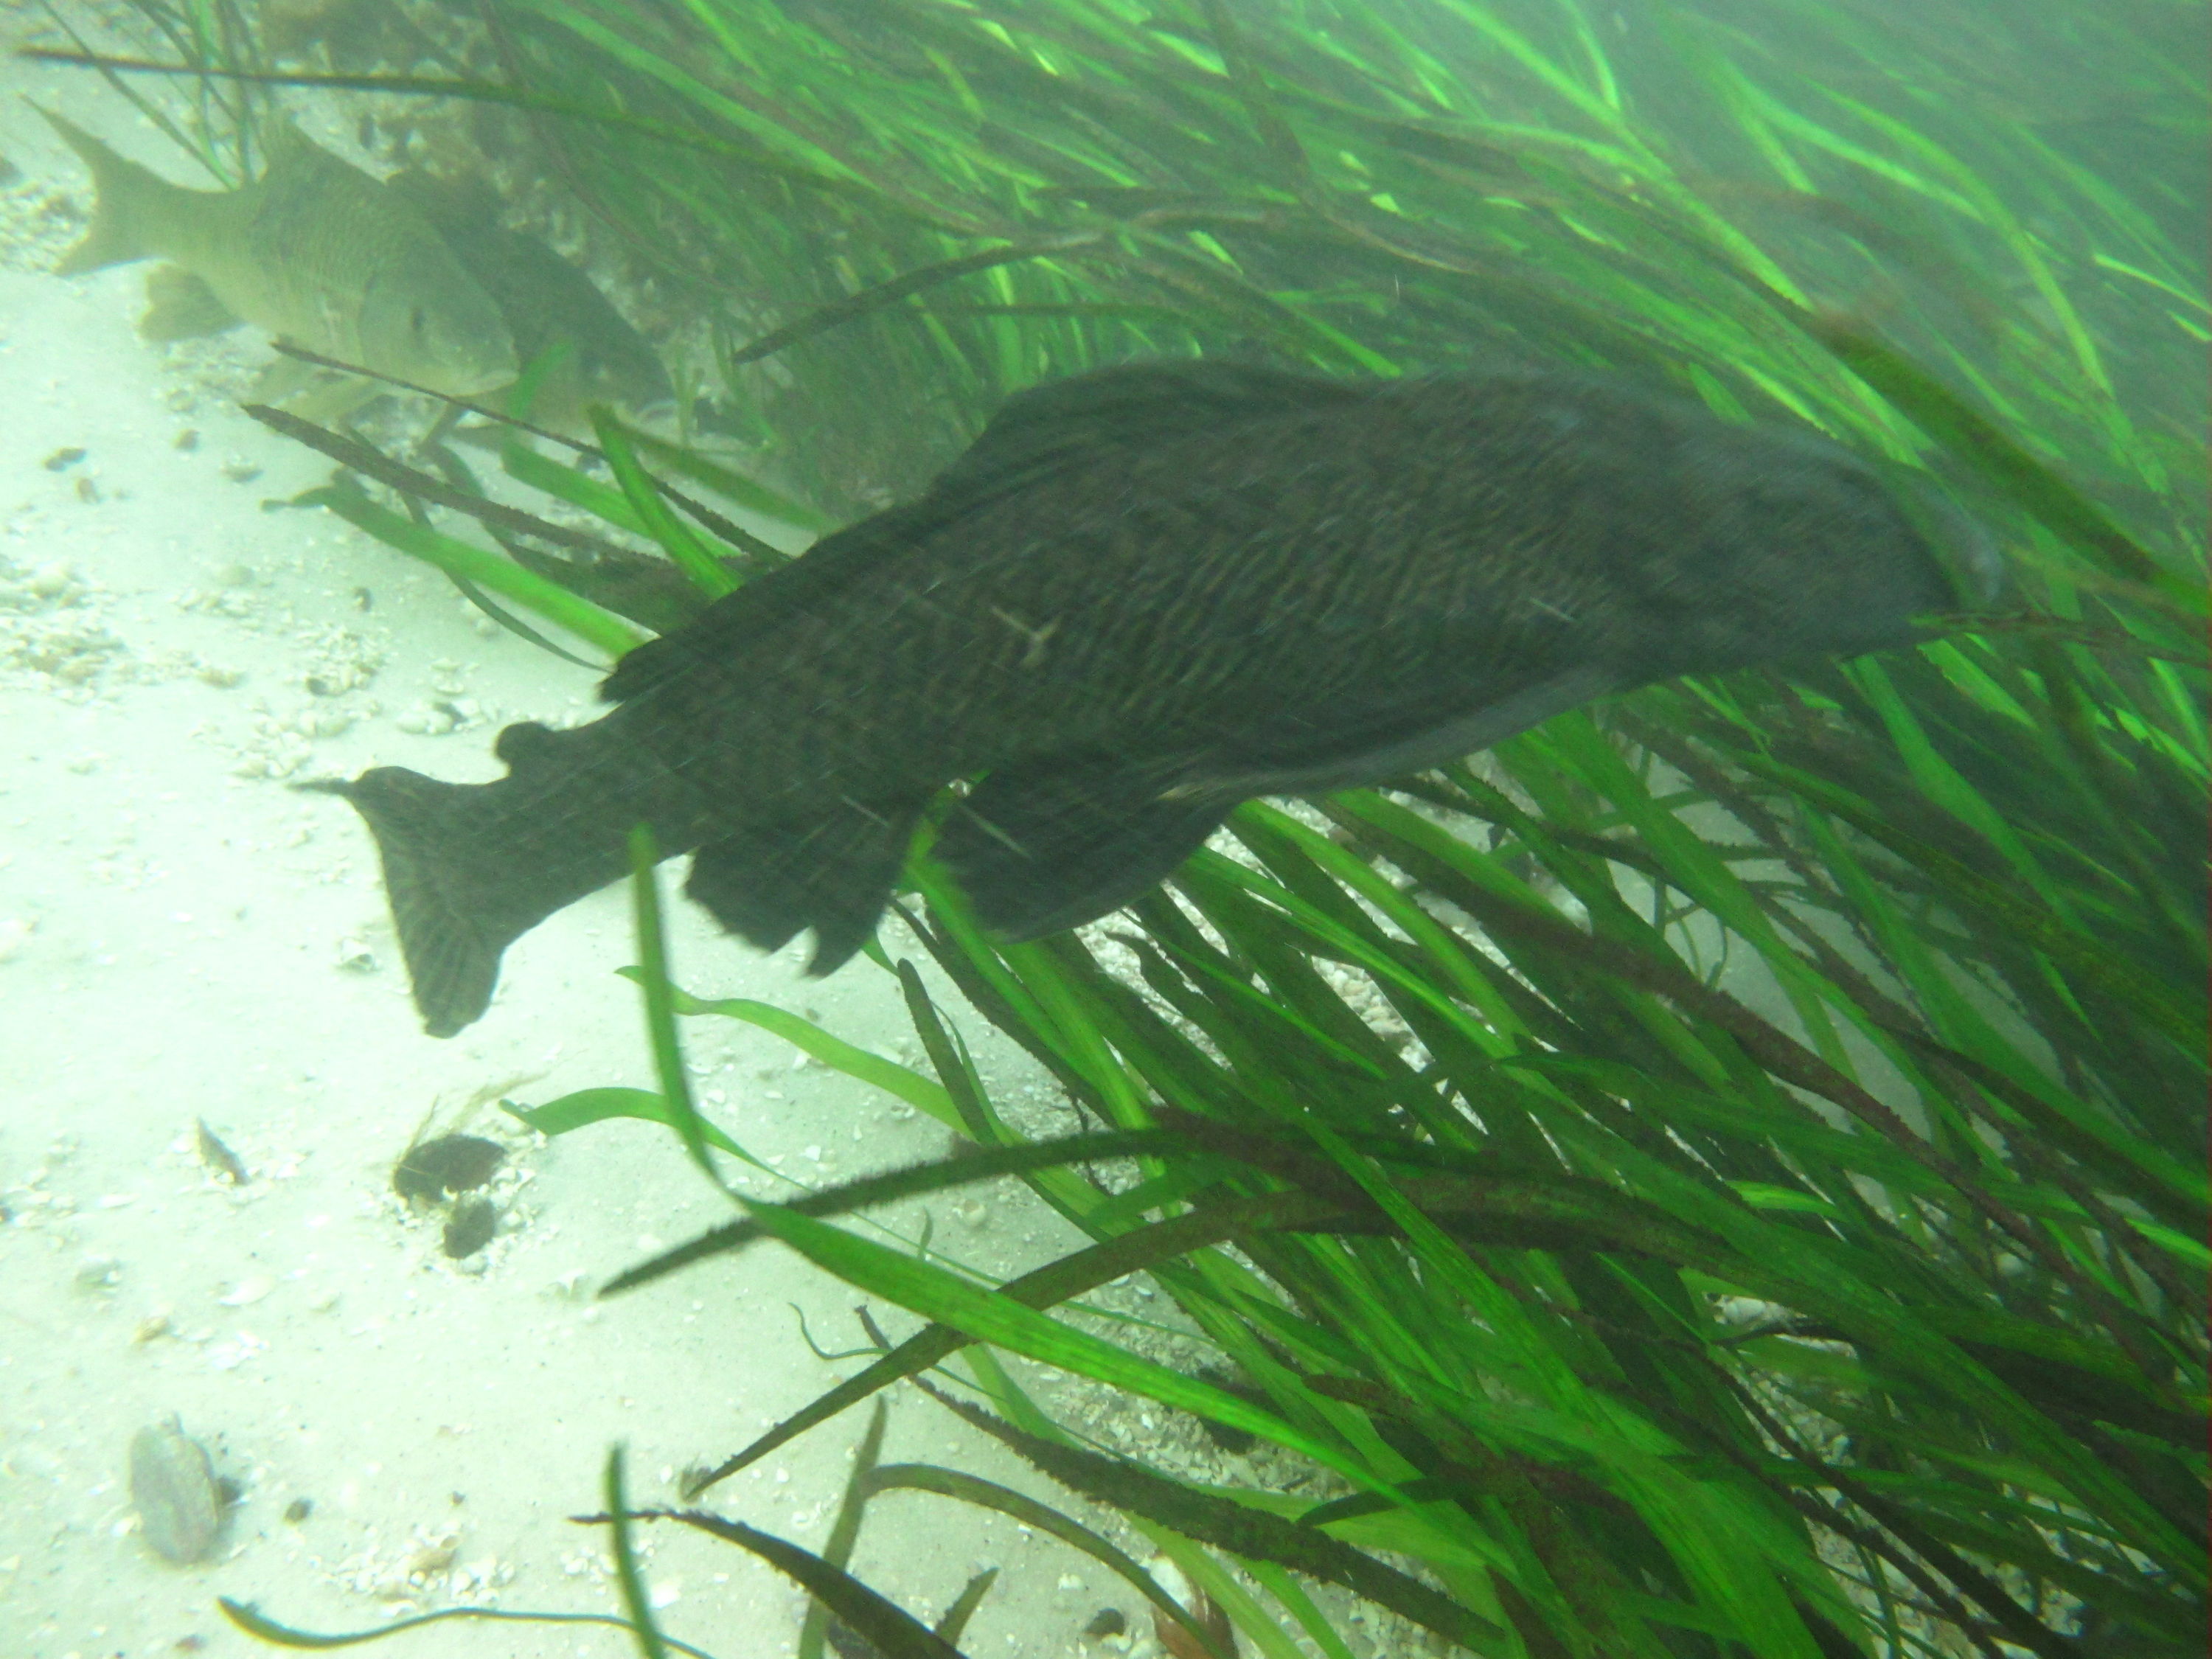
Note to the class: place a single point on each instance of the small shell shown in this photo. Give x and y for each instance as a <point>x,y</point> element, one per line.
<point>972,1213</point>
<point>471,1227</point>
<point>247,1292</point>
<point>218,1158</point>
<point>173,1485</point>
<point>99,1274</point>
<point>451,1163</point>
<point>1171,1635</point>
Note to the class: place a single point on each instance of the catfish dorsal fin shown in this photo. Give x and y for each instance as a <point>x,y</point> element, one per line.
<point>719,633</point>
<point>1039,430</point>
<point>1034,433</point>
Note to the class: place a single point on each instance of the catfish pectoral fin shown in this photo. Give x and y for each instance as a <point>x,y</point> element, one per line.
<point>1054,843</point>
<point>834,874</point>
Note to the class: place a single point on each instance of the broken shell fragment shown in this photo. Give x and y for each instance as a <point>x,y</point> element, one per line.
<point>247,1292</point>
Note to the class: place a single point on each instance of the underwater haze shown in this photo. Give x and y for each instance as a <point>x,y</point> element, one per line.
<point>1469,735</point>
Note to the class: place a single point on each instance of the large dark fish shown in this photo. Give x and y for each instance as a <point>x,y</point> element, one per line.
<point>1142,597</point>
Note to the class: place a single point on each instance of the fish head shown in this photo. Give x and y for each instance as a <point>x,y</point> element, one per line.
<point>1796,547</point>
<point>613,365</point>
<point>437,328</point>
<point>1968,554</point>
<point>639,392</point>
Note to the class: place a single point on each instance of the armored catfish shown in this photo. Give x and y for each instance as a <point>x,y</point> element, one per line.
<point>316,252</point>
<point>1140,596</point>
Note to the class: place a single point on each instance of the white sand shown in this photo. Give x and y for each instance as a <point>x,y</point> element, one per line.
<point>176,933</point>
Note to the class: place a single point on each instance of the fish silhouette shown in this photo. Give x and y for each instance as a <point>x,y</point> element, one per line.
<point>1142,596</point>
<point>314,250</point>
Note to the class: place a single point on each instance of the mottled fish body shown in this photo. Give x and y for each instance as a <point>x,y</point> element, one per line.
<point>316,252</point>
<point>1142,597</point>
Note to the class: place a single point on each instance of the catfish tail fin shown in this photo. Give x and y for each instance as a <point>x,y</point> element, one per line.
<point>125,193</point>
<point>448,933</point>
<point>470,867</point>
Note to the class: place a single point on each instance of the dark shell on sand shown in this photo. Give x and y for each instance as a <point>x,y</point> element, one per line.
<point>450,1163</point>
<point>179,1499</point>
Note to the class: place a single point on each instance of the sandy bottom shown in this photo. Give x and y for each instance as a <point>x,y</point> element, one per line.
<point>185,939</point>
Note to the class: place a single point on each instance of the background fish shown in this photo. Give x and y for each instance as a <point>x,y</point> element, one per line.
<point>314,250</point>
<point>1140,598</point>
<point>546,301</point>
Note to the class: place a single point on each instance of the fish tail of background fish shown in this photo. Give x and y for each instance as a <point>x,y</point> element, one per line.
<point>131,202</point>
<point>468,868</point>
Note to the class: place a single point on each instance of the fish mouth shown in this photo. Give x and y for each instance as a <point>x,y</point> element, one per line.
<point>1973,568</point>
<point>481,384</point>
<point>1966,548</point>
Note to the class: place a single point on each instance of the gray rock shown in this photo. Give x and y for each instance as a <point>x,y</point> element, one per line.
<point>173,1485</point>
